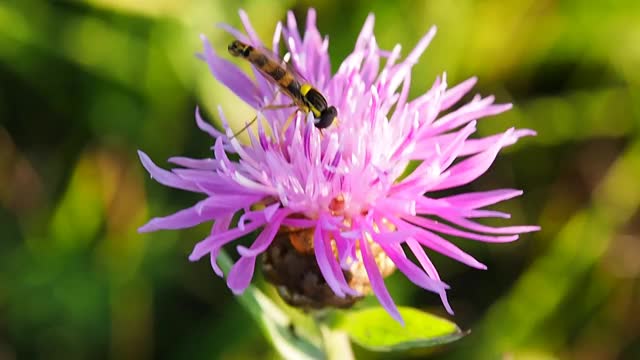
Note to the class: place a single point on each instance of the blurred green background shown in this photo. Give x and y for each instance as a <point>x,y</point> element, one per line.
<point>83,84</point>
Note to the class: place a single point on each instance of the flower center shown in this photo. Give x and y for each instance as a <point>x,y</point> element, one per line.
<point>336,206</point>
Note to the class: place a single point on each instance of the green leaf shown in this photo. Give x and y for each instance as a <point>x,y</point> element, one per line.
<point>375,330</point>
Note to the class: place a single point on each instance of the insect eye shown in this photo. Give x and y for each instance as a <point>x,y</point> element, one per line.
<point>326,117</point>
<point>235,48</point>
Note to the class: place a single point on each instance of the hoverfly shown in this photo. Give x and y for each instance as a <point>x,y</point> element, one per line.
<point>304,96</point>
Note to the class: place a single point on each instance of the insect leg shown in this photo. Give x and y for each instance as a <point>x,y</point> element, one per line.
<point>280,106</point>
<point>245,127</point>
<point>267,107</point>
<point>287,123</point>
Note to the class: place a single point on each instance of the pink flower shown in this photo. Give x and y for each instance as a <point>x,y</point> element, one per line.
<point>294,177</point>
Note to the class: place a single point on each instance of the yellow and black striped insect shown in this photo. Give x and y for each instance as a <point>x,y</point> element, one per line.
<point>304,96</point>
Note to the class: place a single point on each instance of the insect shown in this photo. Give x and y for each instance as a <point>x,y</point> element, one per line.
<point>304,96</point>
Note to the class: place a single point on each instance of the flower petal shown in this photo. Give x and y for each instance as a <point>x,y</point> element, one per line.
<point>165,177</point>
<point>328,264</point>
<point>474,110</point>
<point>221,225</point>
<point>460,221</point>
<point>200,164</point>
<point>471,168</point>
<point>365,34</point>
<point>234,32</point>
<point>205,126</point>
<point>444,247</point>
<point>212,183</point>
<point>445,229</point>
<point>376,280</point>
<point>429,268</point>
<point>456,93</point>
<point>242,271</point>
<point>411,271</point>
<point>246,23</point>
<point>218,240</point>
<point>474,146</point>
<point>481,199</point>
<point>241,274</point>
<point>185,218</point>
<point>265,238</point>
<point>231,76</point>
<point>440,208</point>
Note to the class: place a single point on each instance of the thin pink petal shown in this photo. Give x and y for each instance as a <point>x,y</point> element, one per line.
<point>234,32</point>
<point>411,271</point>
<point>255,39</point>
<point>429,268</point>
<point>437,243</point>
<point>231,76</point>
<point>205,126</point>
<point>265,238</point>
<point>471,168</point>
<point>323,257</point>
<point>460,221</point>
<point>186,218</point>
<point>440,208</point>
<point>165,177</point>
<point>201,164</point>
<point>421,46</point>
<point>474,146</point>
<point>220,239</point>
<point>220,226</point>
<point>456,93</point>
<point>472,111</point>
<point>242,271</point>
<point>481,199</point>
<point>365,34</point>
<point>445,229</point>
<point>376,280</point>
<point>241,274</point>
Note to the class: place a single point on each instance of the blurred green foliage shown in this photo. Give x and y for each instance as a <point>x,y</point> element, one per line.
<point>83,84</point>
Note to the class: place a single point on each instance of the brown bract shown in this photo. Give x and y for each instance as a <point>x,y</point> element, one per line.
<point>290,264</point>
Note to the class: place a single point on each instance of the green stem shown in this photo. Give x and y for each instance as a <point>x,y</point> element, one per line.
<point>274,323</point>
<point>336,344</point>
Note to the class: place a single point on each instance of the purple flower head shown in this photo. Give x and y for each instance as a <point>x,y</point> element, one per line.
<point>345,184</point>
